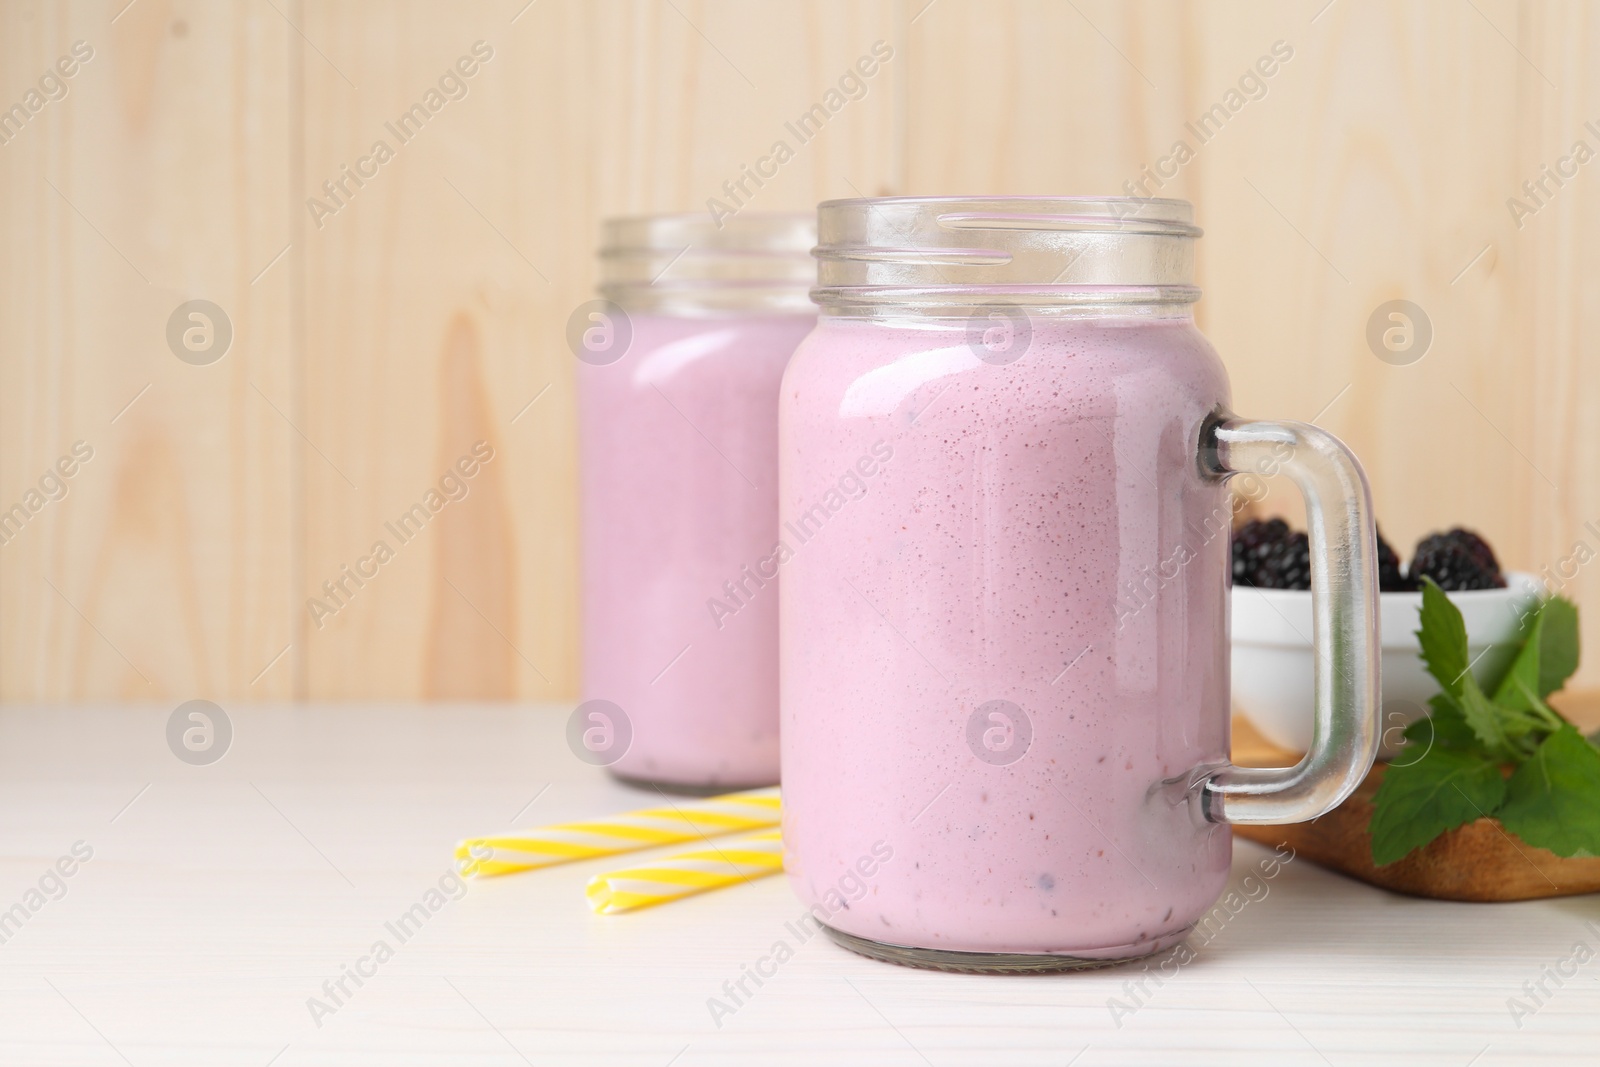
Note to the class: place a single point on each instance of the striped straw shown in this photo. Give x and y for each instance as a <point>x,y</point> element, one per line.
<point>688,820</point>
<point>687,873</point>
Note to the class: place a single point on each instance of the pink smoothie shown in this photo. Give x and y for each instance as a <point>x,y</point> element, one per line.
<point>1039,535</point>
<point>679,497</point>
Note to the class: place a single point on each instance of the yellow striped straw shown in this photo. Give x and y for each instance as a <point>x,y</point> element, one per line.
<point>687,873</point>
<point>687,820</point>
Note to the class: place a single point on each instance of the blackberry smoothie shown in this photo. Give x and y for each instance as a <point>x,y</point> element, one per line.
<point>679,506</point>
<point>1004,627</point>
<point>680,471</point>
<point>1040,537</point>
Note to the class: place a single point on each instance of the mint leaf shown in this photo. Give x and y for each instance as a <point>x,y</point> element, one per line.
<point>1418,802</point>
<point>1483,716</point>
<point>1443,638</point>
<point>1548,656</point>
<point>1553,800</point>
<point>1558,645</point>
<point>1517,690</point>
<point>1443,726</point>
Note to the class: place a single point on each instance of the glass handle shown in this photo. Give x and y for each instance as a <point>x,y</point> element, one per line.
<point>1344,607</point>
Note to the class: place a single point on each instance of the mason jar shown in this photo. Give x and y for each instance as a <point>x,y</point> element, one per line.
<point>1004,625</point>
<point>679,367</point>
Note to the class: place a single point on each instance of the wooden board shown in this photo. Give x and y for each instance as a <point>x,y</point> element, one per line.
<point>1480,861</point>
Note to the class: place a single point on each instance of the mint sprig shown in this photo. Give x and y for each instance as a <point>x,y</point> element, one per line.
<point>1454,766</point>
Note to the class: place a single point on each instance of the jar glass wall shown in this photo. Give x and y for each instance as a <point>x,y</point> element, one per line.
<point>678,405</point>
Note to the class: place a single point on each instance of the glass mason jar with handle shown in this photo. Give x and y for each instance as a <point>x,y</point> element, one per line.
<point>1004,629</point>
<point>677,399</point>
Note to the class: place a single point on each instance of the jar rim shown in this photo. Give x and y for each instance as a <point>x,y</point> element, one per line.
<point>691,264</point>
<point>986,249</point>
<point>763,232</point>
<point>1175,213</point>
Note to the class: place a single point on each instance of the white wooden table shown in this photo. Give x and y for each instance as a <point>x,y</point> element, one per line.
<point>220,898</point>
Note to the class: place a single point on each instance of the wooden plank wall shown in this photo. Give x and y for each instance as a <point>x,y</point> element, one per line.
<point>377,341</point>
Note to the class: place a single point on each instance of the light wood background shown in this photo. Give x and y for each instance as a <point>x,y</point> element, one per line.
<point>429,312</point>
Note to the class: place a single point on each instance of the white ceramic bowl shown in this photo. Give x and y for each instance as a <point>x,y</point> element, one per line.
<point>1272,654</point>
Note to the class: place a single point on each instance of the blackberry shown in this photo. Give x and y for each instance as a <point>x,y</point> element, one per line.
<point>1457,560</point>
<point>1290,568</point>
<point>1479,548</point>
<point>1391,577</point>
<point>1254,543</point>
